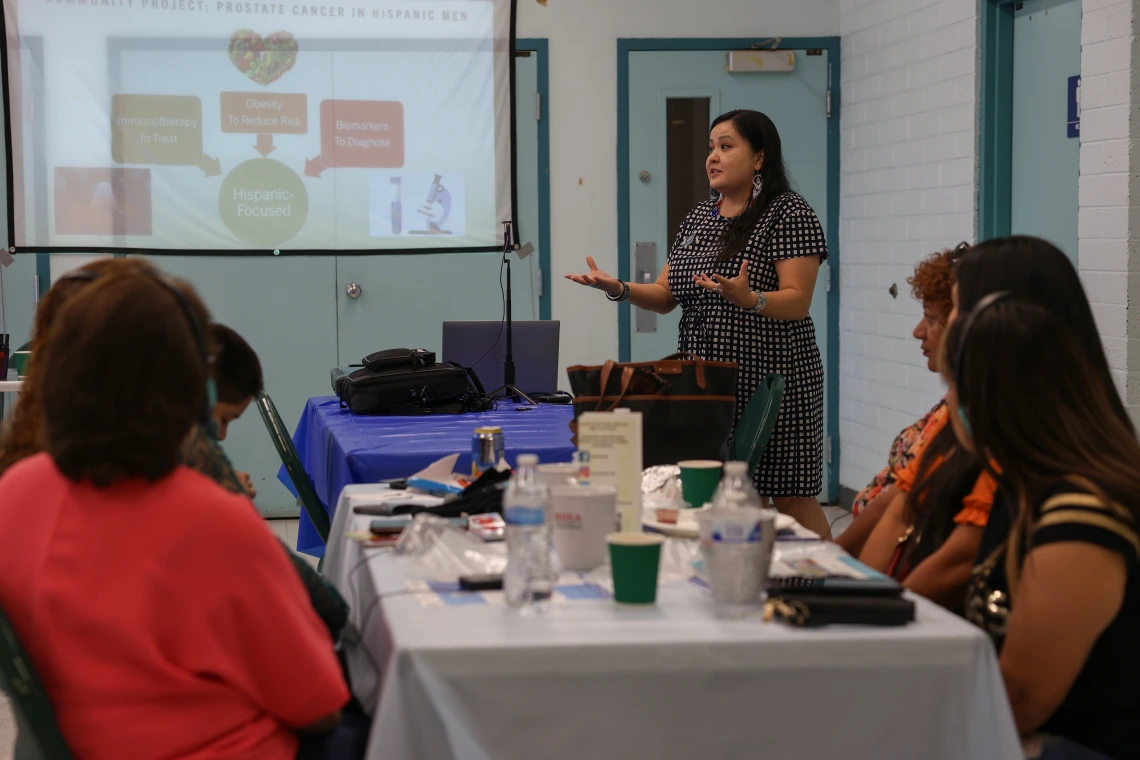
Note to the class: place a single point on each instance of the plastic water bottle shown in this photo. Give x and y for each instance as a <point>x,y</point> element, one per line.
<point>735,489</point>
<point>529,579</point>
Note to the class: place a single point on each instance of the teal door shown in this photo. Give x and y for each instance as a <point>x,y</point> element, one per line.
<point>664,88</point>
<point>403,300</point>
<point>1045,156</point>
<point>294,312</point>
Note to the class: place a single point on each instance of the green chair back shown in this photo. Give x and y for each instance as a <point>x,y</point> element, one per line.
<point>310,502</point>
<point>39,735</point>
<point>754,428</point>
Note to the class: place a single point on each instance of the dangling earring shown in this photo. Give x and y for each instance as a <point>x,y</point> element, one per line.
<point>757,183</point>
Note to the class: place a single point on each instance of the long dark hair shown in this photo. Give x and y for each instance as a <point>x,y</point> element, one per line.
<point>760,133</point>
<point>1031,391</point>
<point>1035,271</point>
<point>946,475</point>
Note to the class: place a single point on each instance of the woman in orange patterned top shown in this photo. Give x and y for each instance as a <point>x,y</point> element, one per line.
<point>932,283</point>
<point>930,533</point>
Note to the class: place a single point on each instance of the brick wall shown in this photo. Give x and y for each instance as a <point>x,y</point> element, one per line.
<point>908,164</point>
<point>1108,221</point>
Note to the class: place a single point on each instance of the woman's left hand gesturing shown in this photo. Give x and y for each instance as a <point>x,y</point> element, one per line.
<point>736,290</point>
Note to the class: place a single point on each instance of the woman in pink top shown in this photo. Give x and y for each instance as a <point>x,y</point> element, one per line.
<point>159,611</point>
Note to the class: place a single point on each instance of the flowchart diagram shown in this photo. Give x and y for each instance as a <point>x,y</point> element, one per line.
<point>262,201</point>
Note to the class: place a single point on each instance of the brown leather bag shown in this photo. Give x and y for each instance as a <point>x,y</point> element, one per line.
<point>688,405</point>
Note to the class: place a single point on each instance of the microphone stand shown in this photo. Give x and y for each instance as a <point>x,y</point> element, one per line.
<point>509,390</point>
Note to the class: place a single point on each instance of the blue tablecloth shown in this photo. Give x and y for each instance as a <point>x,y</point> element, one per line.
<point>338,448</point>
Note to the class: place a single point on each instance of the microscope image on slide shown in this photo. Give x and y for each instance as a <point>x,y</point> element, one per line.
<point>404,204</point>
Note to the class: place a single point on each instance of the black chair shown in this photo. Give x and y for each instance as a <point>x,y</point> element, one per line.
<point>39,735</point>
<point>306,494</point>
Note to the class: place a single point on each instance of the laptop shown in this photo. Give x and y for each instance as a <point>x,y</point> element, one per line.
<point>483,347</point>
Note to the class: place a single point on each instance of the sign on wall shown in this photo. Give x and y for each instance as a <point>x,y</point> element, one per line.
<point>1074,119</point>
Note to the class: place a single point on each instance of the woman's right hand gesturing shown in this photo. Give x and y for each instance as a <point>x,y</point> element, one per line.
<point>611,286</point>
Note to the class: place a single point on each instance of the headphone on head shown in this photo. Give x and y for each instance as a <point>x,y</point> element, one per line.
<point>205,416</point>
<point>967,326</point>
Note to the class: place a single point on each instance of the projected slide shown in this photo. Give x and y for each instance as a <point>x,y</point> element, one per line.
<point>186,124</point>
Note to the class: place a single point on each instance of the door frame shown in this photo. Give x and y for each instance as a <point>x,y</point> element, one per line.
<point>626,46</point>
<point>995,129</point>
<point>540,46</point>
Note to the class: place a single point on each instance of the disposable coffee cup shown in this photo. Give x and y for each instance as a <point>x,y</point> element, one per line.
<point>699,479</point>
<point>558,474</point>
<point>635,559</point>
<point>583,517</point>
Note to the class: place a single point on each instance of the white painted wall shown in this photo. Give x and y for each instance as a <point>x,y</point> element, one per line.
<point>583,38</point>
<point>908,188</point>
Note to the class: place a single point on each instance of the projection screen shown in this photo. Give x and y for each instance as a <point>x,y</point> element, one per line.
<point>217,126</point>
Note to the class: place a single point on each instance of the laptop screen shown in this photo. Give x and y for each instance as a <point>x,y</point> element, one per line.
<point>483,347</point>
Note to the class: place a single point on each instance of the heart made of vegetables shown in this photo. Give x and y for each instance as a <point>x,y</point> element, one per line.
<point>264,60</point>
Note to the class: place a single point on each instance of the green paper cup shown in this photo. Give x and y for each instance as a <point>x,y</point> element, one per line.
<point>699,479</point>
<point>635,559</point>
<point>21,363</point>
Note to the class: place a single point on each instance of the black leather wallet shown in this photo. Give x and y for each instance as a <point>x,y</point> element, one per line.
<point>813,610</point>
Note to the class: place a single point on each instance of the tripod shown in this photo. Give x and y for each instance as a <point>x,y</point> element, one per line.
<point>509,390</point>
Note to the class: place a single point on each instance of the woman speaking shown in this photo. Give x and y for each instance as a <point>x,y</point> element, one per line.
<point>743,269</point>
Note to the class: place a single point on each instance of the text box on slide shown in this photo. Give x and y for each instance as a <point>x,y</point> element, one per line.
<point>362,134</point>
<point>156,129</point>
<point>257,112</point>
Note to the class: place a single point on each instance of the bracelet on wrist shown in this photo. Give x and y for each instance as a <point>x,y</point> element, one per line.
<point>761,302</point>
<point>622,296</point>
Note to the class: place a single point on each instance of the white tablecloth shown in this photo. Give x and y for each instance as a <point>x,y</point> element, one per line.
<point>591,679</point>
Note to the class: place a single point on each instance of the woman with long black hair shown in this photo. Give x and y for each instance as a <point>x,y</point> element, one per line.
<point>743,270</point>
<point>1057,584</point>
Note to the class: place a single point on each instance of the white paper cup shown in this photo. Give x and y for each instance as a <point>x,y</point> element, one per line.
<point>583,517</point>
<point>558,474</point>
<point>737,548</point>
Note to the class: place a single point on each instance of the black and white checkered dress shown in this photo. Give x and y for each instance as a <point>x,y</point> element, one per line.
<point>714,329</point>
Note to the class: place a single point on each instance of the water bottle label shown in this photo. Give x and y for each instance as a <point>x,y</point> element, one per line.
<point>524,515</point>
<point>737,531</point>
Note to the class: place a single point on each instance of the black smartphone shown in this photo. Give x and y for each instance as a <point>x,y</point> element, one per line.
<point>480,582</point>
<point>376,510</point>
